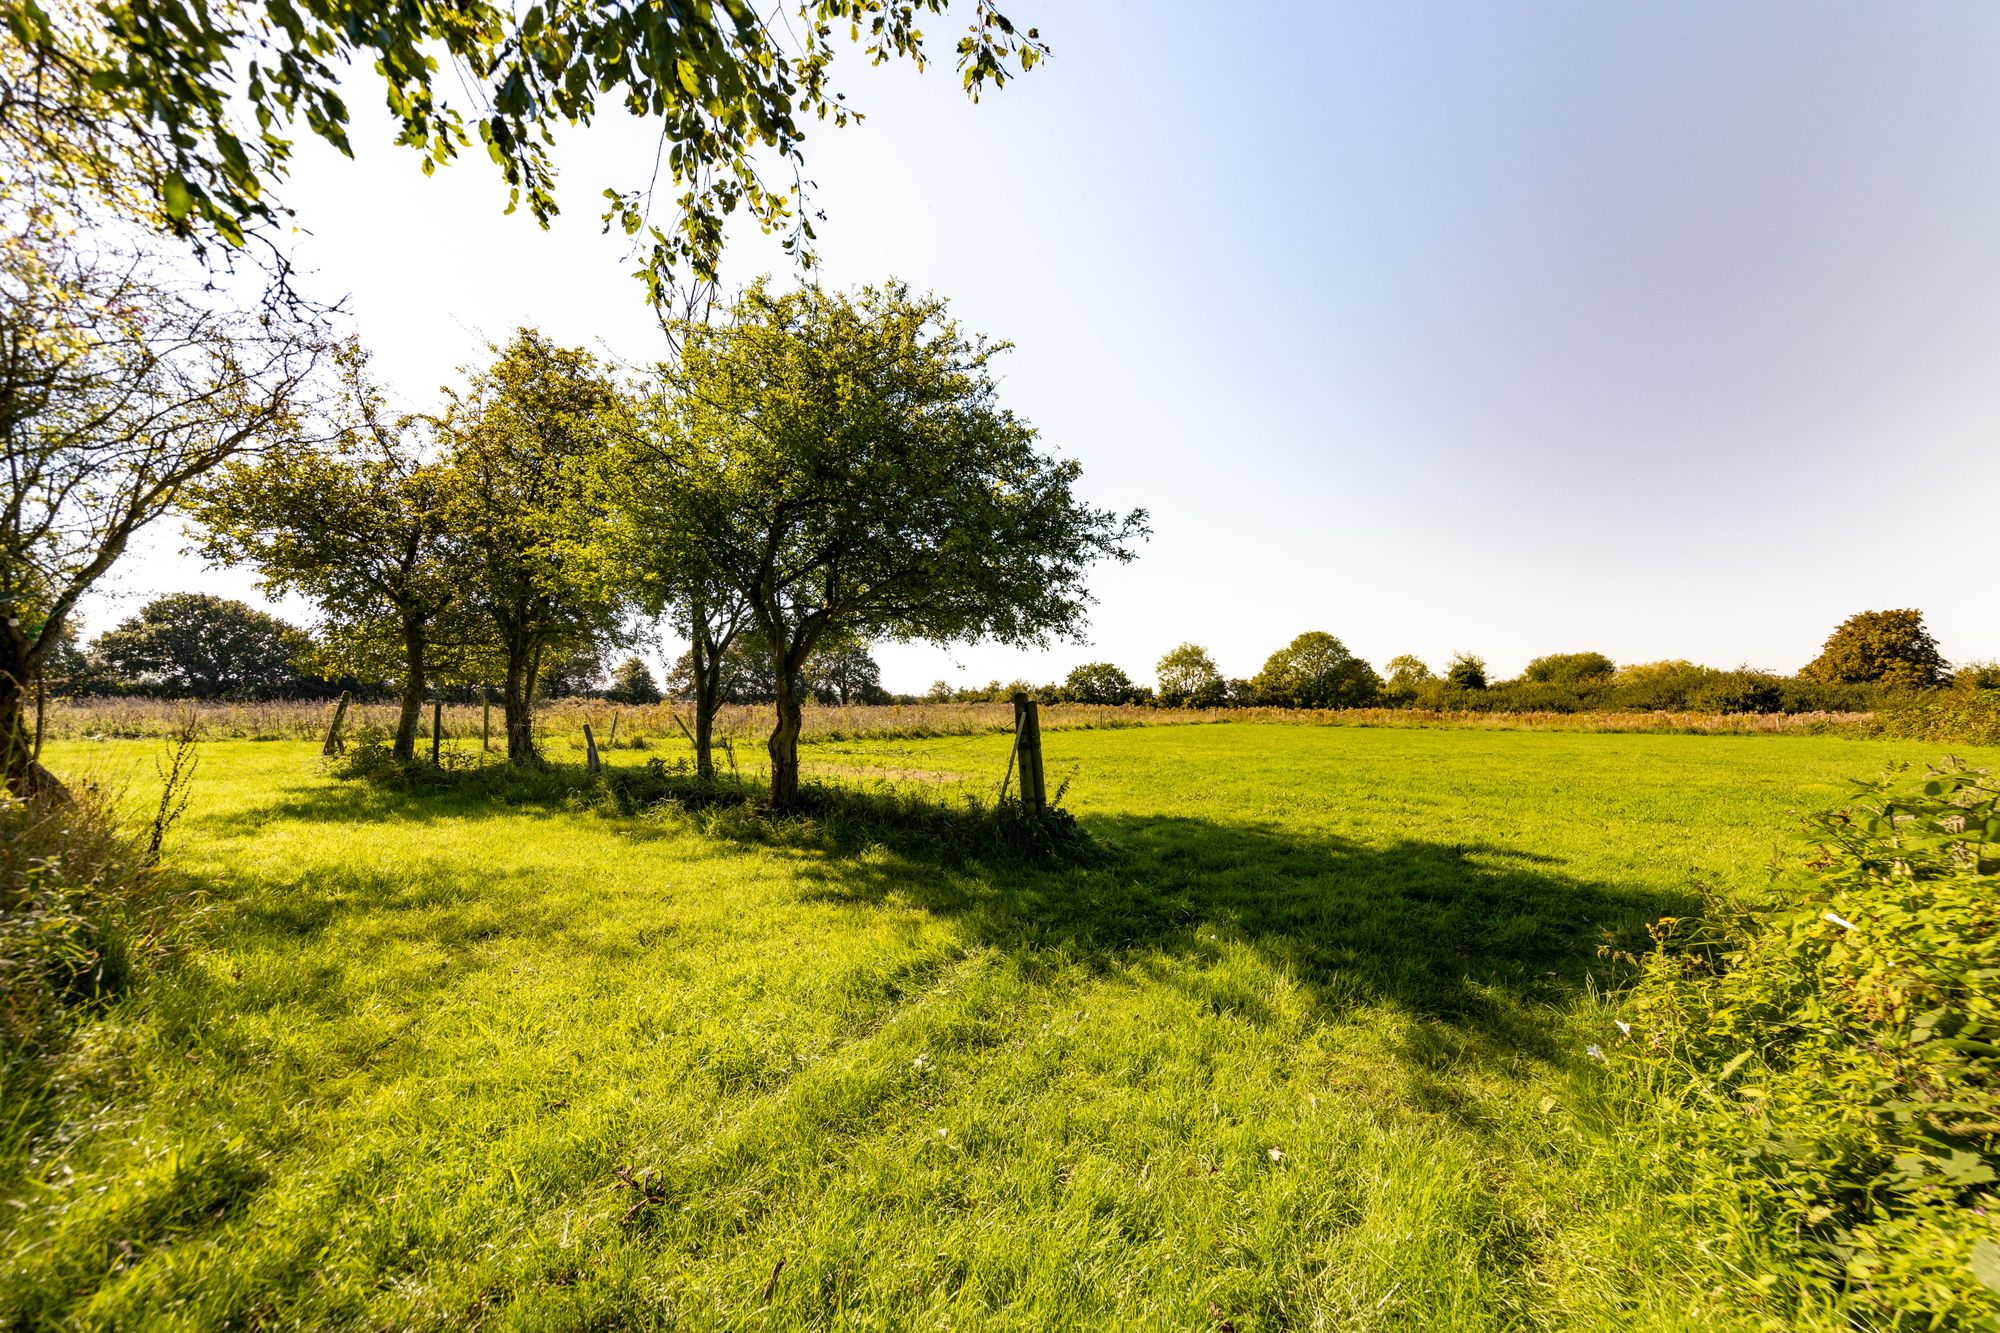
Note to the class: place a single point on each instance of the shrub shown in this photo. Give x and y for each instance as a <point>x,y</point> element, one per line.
<point>80,904</point>
<point>1954,717</point>
<point>1830,1066</point>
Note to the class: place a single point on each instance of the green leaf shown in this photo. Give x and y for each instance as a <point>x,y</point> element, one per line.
<point>1985,1264</point>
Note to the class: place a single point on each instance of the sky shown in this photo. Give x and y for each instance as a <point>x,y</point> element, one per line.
<point>1656,330</point>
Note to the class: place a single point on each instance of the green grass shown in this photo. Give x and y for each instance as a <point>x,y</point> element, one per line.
<point>1303,1050</point>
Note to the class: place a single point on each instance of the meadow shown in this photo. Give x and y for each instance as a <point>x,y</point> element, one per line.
<point>1303,1043</point>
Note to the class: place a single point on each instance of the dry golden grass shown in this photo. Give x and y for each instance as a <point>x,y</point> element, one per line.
<point>656,724</point>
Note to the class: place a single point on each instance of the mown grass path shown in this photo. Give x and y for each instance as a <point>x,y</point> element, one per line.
<point>1304,1052</point>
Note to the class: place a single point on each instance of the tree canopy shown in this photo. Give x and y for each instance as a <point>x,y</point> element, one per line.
<point>1890,647</point>
<point>194,645</point>
<point>841,461</point>
<point>1316,670</point>
<point>201,104</point>
<point>1189,678</point>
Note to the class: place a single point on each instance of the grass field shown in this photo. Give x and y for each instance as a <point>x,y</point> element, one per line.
<point>1304,1048</point>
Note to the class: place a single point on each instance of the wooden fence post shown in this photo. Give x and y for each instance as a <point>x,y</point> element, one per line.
<point>334,744</point>
<point>437,729</point>
<point>612,743</point>
<point>590,760</point>
<point>1028,751</point>
<point>485,719</point>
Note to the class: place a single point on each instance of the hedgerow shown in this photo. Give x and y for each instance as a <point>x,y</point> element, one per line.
<point>1829,1065</point>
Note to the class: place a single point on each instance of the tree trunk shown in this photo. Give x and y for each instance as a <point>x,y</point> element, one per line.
<point>518,704</point>
<point>704,732</point>
<point>413,693</point>
<point>784,743</point>
<point>19,673</point>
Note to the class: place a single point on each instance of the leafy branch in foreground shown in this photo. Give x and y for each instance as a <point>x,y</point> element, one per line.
<point>1830,1066</point>
<point>157,90</point>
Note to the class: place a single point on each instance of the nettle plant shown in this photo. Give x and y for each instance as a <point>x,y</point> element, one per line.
<point>1831,1064</point>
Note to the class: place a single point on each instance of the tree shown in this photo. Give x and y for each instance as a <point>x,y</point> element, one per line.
<point>655,556</point>
<point>844,672</point>
<point>1099,683</point>
<point>159,92</point>
<point>526,438</point>
<point>117,390</point>
<point>1406,673</point>
<point>356,524</point>
<point>1189,678</point>
<point>632,683</point>
<point>742,674</point>
<point>1467,671</point>
<point>193,645</point>
<point>845,467</point>
<point>1315,670</point>
<point>1570,669</point>
<point>1888,647</point>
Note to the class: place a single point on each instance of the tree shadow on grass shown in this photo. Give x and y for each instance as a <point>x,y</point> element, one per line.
<point>1479,936</point>
<point>1482,937</point>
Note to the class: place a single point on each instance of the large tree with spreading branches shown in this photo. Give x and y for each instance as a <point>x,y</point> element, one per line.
<point>841,461</point>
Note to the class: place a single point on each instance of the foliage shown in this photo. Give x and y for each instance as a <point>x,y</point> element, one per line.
<point>632,683</point>
<point>159,91</point>
<point>1964,715</point>
<point>844,672</point>
<point>1315,670</point>
<point>1189,678</point>
<point>1831,1063</point>
<point>1099,683</point>
<point>195,645</point>
<point>1467,671</point>
<point>80,909</point>
<point>841,462</point>
<point>1569,668</point>
<point>525,439</point>
<point>1977,676</point>
<point>355,522</point>
<point>1889,647</point>
<point>1406,673</point>
<point>117,390</point>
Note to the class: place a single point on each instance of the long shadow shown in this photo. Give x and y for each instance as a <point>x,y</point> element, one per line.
<point>1474,935</point>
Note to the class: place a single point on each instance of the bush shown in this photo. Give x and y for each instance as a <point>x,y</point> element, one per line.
<point>80,905</point>
<point>1467,671</point>
<point>1830,1066</point>
<point>1953,717</point>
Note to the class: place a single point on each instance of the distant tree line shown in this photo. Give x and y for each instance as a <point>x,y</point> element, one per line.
<point>1870,658</point>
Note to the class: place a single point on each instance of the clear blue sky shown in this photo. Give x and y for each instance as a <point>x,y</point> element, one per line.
<point>1664,330</point>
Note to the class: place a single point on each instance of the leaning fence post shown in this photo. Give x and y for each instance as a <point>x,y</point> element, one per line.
<point>612,743</point>
<point>437,729</point>
<point>485,719</point>
<point>333,742</point>
<point>1028,749</point>
<point>590,759</point>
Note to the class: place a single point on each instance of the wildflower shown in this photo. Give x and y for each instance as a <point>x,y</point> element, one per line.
<point>922,1062</point>
<point>1277,1154</point>
<point>1623,1026</point>
<point>1841,921</point>
<point>1594,1052</point>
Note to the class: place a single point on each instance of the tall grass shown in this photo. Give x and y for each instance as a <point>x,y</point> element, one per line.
<point>655,725</point>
